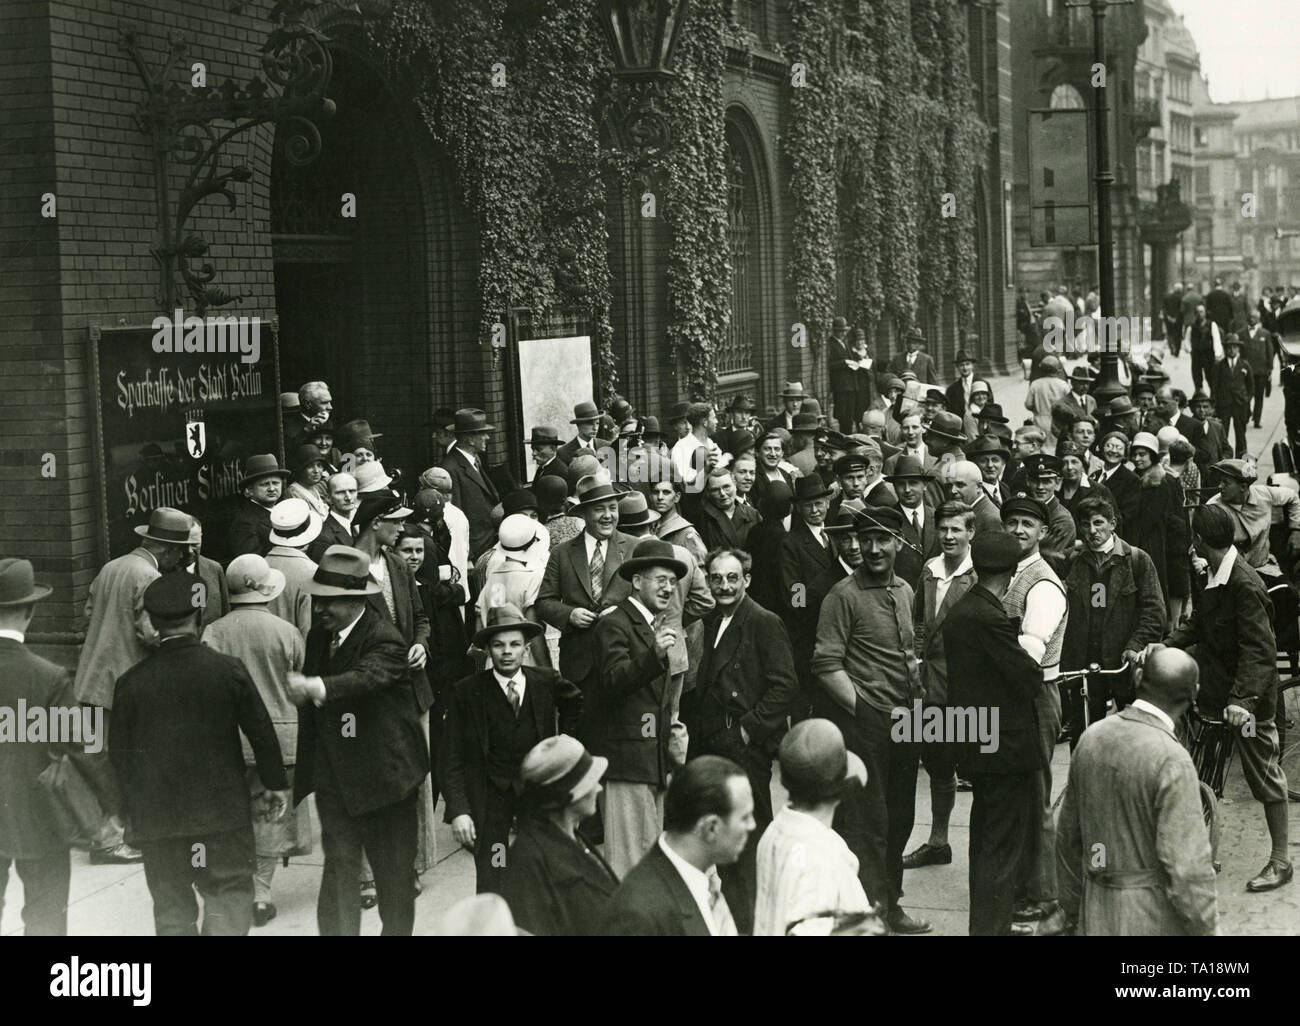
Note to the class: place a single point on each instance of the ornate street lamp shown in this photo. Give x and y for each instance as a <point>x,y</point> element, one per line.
<point>642,35</point>
<point>183,127</point>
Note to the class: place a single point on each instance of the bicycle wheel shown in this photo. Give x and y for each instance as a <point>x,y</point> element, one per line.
<point>1288,734</point>
<point>1210,812</point>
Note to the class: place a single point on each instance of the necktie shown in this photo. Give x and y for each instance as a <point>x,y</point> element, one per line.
<point>335,642</point>
<point>597,572</point>
<point>724,925</point>
<point>916,521</point>
<point>512,686</point>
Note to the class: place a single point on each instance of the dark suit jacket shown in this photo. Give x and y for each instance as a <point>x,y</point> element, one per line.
<point>553,887</point>
<point>26,828</point>
<point>988,669</point>
<point>956,395</point>
<point>218,592</point>
<point>627,706</point>
<point>555,468</point>
<point>473,493</point>
<point>908,564</point>
<point>1232,385</point>
<point>412,620</point>
<point>764,545</point>
<point>988,517</point>
<point>923,368</point>
<point>1211,443</point>
<point>575,445</point>
<point>331,533</point>
<point>749,676</point>
<point>717,529</point>
<point>250,529</point>
<point>566,586</point>
<point>802,560</point>
<point>654,901</point>
<point>175,727</point>
<point>463,753</point>
<point>384,755</point>
<point>1124,485</point>
<point>843,379</point>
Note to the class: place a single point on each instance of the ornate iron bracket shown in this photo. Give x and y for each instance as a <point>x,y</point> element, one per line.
<point>183,125</point>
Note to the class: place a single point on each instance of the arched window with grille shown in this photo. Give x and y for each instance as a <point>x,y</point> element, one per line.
<point>737,352</point>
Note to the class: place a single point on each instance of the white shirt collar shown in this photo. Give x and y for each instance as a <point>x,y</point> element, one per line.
<point>649,616</point>
<point>18,636</point>
<point>1222,574</point>
<point>343,634</point>
<point>345,521</point>
<point>473,460</point>
<point>1158,713</point>
<point>697,882</point>
<point>591,541</point>
<point>936,567</point>
<point>504,682</point>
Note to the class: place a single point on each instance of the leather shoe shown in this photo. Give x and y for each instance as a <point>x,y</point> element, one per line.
<point>964,785</point>
<point>1020,930</point>
<point>928,855</point>
<point>263,913</point>
<point>903,924</point>
<point>1272,876</point>
<point>369,896</point>
<point>1053,925</point>
<point>1032,911</point>
<point>118,855</point>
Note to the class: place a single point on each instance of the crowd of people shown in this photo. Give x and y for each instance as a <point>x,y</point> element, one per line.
<point>597,669</point>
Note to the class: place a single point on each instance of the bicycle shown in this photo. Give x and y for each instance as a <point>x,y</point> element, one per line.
<point>1069,677</point>
<point>1288,734</point>
<point>1209,742</point>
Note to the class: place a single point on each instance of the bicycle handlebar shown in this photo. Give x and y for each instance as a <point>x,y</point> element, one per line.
<point>1093,670</point>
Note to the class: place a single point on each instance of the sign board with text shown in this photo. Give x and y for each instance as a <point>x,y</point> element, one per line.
<point>173,428</point>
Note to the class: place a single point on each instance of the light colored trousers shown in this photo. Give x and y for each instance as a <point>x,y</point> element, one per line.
<point>634,819</point>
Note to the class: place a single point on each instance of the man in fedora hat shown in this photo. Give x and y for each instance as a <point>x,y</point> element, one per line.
<point>472,488</point>
<point>361,748</point>
<point>915,360</point>
<point>28,838</point>
<point>1207,436</point>
<point>745,687</point>
<point>581,582</point>
<point>269,647</point>
<point>586,421</point>
<point>945,440</point>
<point>675,418</point>
<point>293,528</point>
<point>339,527</point>
<point>493,719</point>
<point>1122,415</point>
<point>992,456</point>
<point>355,440</point>
<point>739,422</point>
<point>792,397</point>
<point>1232,383</point>
<point>910,481</point>
<point>841,368</point>
<point>119,633</point>
<point>865,666</point>
<point>176,721</point>
<point>628,705</point>
<point>545,444</point>
<point>805,553</point>
<point>261,485</point>
<point>960,392</point>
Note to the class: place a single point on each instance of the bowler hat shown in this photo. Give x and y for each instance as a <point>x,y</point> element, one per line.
<point>1024,504</point>
<point>678,411</point>
<point>174,596</point>
<point>992,412</point>
<point>518,501</point>
<point>544,436</point>
<point>258,467</point>
<point>909,466</point>
<point>343,571</point>
<point>1234,340</point>
<point>293,525</point>
<point>816,764</point>
<point>557,771</point>
<point>994,552</point>
<point>742,403</point>
<point>879,518</point>
<point>584,412</point>
<point>18,584</point>
<point>946,425</point>
<point>839,324</point>
<point>652,552</point>
<point>650,428</point>
<point>506,617</point>
<point>987,445</point>
<point>252,580</point>
<point>168,525</point>
<point>804,422</point>
<point>1142,387</point>
<point>469,422</point>
<point>594,488</point>
<point>792,390</point>
<point>806,489</point>
<point>634,511</point>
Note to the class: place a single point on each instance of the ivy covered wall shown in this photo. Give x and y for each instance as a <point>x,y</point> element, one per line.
<point>879,128</point>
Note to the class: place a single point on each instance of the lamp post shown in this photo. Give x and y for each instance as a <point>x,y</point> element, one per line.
<point>642,36</point>
<point>1108,384</point>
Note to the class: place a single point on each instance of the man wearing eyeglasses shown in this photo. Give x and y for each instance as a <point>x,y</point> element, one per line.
<point>746,685</point>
